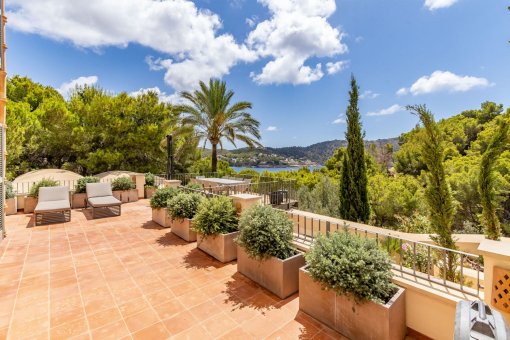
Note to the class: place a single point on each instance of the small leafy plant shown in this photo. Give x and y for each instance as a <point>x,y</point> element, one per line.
<point>81,185</point>
<point>184,206</point>
<point>352,266</point>
<point>150,180</point>
<point>194,186</point>
<point>45,182</point>
<point>9,191</point>
<point>161,197</point>
<point>266,232</point>
<point>123,183</point>
<point>215,216</point>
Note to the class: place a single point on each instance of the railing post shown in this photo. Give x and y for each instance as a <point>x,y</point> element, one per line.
<point>328,227</point>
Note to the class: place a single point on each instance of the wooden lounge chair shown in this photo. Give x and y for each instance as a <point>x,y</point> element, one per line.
<point>53,206</point>
<point>101,200</point>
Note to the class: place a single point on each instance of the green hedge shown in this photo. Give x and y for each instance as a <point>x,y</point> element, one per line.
<point>45,182</point>
<point>81,185</point>
<point>161,197</point>
<point>184,206</point>
<point>123,183</point>
<point>215,216</point>
<point>150,180</point>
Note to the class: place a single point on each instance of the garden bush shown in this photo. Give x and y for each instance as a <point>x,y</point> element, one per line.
<point>352,266</point>
<point>184,206</point>
<point>266,232</point>
<point>150,180</point>
<point>81,185</point>
<point>194,186</point>
<point>45,182</point>
<point>215,216</point>
<point>9,191</point>
<point>123,183</point>
<point>161,196</point>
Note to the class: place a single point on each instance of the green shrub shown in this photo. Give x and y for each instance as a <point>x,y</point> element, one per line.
<point>161,196</point>
<point>351,265</point>
<point>123,183</point>
<point>215,216</point>
<point>266,232</point>
<point>45,182</point>
<point>194,186</point>
<point>81,185</point>
<point>150,180</point>
<point>184,206</point>
<point>9,191</point>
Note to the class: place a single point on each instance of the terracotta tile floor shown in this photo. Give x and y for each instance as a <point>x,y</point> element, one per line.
<point>128,278</point>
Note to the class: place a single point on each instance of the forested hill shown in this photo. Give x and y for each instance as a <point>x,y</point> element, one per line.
<point>317,153</point>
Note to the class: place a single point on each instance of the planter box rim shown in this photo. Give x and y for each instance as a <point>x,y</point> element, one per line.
<point>298,252</point>
<point>398,290</point>
<point>214,235</point>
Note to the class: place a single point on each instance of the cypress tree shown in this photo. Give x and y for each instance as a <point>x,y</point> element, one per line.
<point>354,204</point>
<point>486,179</point>
<point>438,194</point>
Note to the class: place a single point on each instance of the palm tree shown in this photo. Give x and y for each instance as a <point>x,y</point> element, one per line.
<point>210,117</point>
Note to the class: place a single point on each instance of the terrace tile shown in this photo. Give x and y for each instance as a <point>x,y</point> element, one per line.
<point>127,278</point>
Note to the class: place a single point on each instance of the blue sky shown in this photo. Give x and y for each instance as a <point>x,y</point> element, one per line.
<point>449,54</point>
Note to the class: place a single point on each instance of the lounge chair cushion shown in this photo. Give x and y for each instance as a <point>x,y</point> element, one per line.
<point>49,194</point>
<point>105,201</point>
<point>99,190</point>
<point>49,206</point>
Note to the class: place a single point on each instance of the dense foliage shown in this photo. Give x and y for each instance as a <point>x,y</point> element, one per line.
<point>354,205</point>
<point>45,182</point>
<point>150,180</point>
<point>81,184</point>
<point>184,205</point>
<point>90,132</point>
<point>123,183</point>
<point>216,216</point>
<point>161,197</point>
<point>9,191</point>
<point>194,186</point>
<point>322,199</point>
<point>351,265</point>
<point>266,233</point>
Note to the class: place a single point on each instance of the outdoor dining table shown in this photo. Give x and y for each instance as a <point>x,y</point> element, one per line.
<point>220,181</point>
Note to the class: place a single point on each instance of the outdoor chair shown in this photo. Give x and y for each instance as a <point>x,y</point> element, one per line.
<point>53,206</point>
<point>101,200</point>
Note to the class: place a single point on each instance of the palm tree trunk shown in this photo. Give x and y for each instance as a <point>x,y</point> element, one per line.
<point>214,157</point>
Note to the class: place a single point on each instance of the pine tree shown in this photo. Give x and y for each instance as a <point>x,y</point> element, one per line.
<point>486,179</point>
<point>354,204</point>
<point>438,194</point>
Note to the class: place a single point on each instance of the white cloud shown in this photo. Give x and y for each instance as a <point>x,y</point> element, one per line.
<point>174,98</point>
<point>236,3</point>
<point>435,4</point>
<point>359,39</point>
<point>389,111</point>
<point>402,91</point>
<point>296,31</point>
<point>66,87</point>
<point>368,94</point>
<point>252,21</point>
<point>337,67</point>
<point>295,137</point>
<point>272,128</point>
<point>339,120</point>
<point>191,40</point>
<point>440,81</point>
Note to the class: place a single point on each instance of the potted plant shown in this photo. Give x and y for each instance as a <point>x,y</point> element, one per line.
<point>79,197</point>
<point>347,286</point>
<point>124,189</point>
<point>216,226</point>
<point>266,254</point>
<point>150,187</point>
<point>31,200</point>
<point>10,199</point>
<point>194,186</point>
<point>182,208</point>
<point>159,203</point>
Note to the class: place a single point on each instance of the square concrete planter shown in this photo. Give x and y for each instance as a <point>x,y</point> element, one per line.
<point>221,246</point>
<point>160,216</point>
<point>132,195</point>
<point>149,191</point>
<point>30,204</point>
<point>368,321</point>
<point>12,206</point>
<point>280,277</point>
<point>78,201</point>
<point>118,195</point>
<point>182,228</point>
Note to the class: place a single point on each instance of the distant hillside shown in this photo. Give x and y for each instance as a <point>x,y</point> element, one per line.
<point>316,153</point>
